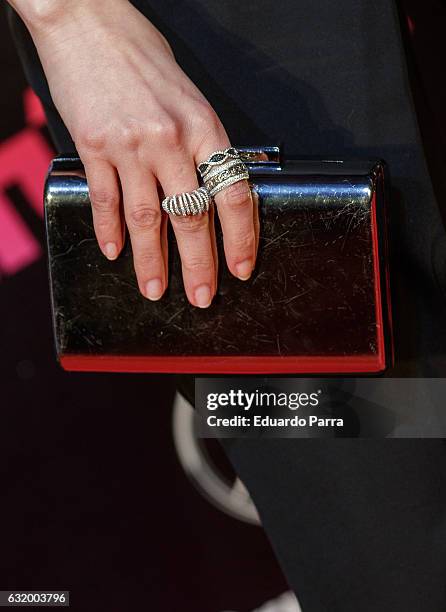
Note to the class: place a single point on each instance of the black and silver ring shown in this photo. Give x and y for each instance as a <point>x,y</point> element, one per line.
<point>222,169</point>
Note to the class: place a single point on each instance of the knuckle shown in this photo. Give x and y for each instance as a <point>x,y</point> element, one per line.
<point>244,242</point>
<point>207,126</point>
<point>103,201</point>
<point>168,131</point>
<point>191,223</point>
<point>144,217</point>
<point>148,260</point>
<point>206,117</point>
<point>197,264</point>
<point>130,136</point>
<point>237,196</point>
<point>91,140</point>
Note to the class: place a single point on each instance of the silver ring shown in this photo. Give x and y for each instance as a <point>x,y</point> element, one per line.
<point>221,169</point>
<point>188,203</point>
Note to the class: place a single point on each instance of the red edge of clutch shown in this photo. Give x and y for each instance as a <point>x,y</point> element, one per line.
<point>380,341</point>
<point>243,364</point>
<point>206,364</point>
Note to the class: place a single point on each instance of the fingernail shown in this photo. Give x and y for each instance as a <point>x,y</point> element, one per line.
<point>111,250</point>
<point>203,296</point>
<point>244,269</point>
<point>154,289</point>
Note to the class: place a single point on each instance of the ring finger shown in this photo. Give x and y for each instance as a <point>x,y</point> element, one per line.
<point>236,214</point>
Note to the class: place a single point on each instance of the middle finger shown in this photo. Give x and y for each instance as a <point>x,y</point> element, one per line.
<point>193,232</point>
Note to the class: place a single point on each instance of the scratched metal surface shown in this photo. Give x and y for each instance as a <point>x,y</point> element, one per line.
<point>312,292</point>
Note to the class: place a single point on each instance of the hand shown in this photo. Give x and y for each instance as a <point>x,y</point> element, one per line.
<point>138,123</point>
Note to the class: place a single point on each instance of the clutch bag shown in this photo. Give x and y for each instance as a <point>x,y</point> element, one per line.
<point>317,303</point>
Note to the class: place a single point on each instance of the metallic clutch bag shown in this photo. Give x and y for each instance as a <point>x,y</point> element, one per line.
<point>318,301</point>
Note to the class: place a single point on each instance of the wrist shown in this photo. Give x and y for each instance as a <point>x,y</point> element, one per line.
<point>40,16</point>
<point>36,13</point>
